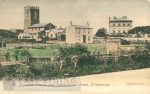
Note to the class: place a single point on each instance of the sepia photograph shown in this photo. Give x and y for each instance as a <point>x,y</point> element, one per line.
<point>74,46</point>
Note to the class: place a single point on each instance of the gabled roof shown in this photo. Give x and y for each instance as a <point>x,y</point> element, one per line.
<point>57,31</point>
<point>33,32</point>
<point>23,34</point>
<point>39,25</point>
<point>42,25</point>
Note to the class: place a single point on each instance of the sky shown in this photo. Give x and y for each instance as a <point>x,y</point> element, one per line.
<point>60,12</point>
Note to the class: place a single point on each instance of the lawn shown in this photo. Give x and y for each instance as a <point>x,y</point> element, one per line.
<point>2,52</point>
<point>96,48</point>
<point>52,50</point>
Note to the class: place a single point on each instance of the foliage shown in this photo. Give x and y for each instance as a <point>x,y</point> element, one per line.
<point>140,29</point>
<point>77,49</point>
<point>147,46</point>
<point>102,32</point>
<point>44,69</point>
<point>7,34</point>
<point>15,70</point>
<point>22,55</point>
<point>88,60</point>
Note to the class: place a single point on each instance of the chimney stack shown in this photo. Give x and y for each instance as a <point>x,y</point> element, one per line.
<point>87,24</point>
<point>70,22</point>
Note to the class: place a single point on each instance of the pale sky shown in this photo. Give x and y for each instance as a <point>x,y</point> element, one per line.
<point>60,12</point>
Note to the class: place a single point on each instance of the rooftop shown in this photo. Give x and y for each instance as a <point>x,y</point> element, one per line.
<point>119,19</point>
<point>39,25</point>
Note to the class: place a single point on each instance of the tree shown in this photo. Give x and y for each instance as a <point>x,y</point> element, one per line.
<point>77,49</point>
<point>102,32</point>
<point>7,55</point>
<point>140,29</point>
<point>69,52</point>
<point>7,34</point>
<point>22,55</point>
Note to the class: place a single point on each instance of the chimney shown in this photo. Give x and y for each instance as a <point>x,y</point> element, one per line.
<point>109,18</point>
<point>87,24</point>
<point>70,22</point>
<point>115,17</point>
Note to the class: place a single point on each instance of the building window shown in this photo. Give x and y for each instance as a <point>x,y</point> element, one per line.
<point>118,24</point>
<point>89,38</point>
<point>124,31</point>
<point>51,35</point>
<point>128,24</point>
<point>78,32</point>
<point>119,31</point>
<point>88,31</point>
<point>113,31</point>
<point>123,24</point>
<point>113,24</point>
<point>84,31</point>
<point>79,38</point>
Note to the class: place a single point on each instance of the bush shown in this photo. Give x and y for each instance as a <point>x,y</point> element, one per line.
<point>16,69</point>
<point>88,60</point>
<point>77,49</point>
<point>22,55</point>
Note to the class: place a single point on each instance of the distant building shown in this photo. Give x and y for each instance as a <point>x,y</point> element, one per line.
<point>32,26</point>
<point>119,25</point>
<point>17,31</point>
<point>24,36</point>
<point>31,16</point>
<point>56,34</point>
<point>79,34</point>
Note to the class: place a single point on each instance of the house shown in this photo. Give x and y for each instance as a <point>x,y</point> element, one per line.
<point>17,31</point>
<point>58,34</point>
<point>119,25</point>
<point>24,36</point>
<point>36,31</point>
<point>79,34</point>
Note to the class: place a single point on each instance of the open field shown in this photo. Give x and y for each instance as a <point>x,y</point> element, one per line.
<point>52,50</point>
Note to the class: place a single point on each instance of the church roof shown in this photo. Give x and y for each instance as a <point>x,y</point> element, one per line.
<point>42,25</point>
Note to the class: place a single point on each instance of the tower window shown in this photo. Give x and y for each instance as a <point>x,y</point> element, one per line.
<point>78,32</point>
<point>113,31</point>
<point>124,31</point>
<point>89,38</point>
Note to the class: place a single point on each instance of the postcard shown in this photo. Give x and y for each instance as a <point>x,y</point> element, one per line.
<point>74,46</point>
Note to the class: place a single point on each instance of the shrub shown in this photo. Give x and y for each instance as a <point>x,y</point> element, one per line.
<point>88,60</point>
<point>77,49</point>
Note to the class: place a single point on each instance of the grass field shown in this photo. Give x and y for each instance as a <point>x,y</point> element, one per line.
<point>52,50</point>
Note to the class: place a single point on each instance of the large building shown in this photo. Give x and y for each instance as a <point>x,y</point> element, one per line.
<point>79,34</point>
<point>119,25</point>
<point>31,16</point>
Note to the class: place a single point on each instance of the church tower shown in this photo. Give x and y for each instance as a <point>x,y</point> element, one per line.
<point>31,16</point>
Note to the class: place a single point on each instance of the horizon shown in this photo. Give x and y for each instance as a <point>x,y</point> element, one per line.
<point>60,12</point>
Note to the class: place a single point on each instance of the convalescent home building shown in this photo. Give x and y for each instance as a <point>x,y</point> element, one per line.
<point>79,34</point>
<point>119,25</point>
<point>58,34</point>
